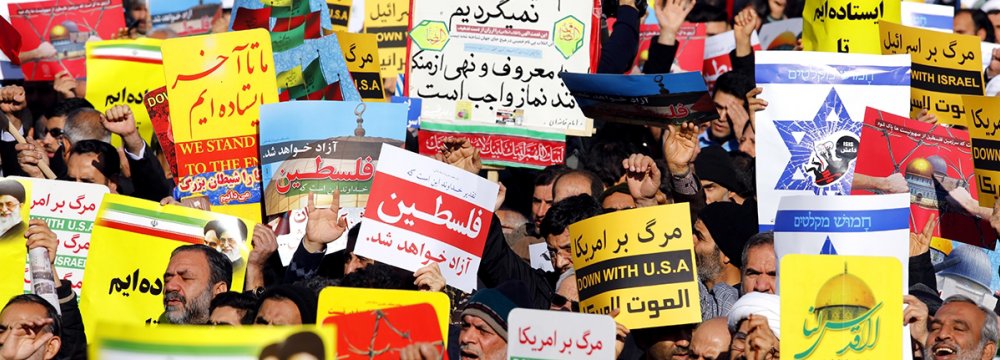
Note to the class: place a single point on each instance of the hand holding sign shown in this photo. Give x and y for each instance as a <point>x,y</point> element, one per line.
<point>39,235</point>
<point>29,155</point>
<point>324,225</point>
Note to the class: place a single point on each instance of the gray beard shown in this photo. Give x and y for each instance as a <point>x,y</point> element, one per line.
<point>9,222</point>
<point>195,311</point>
<point>962,354</point>
<point>709,267</point>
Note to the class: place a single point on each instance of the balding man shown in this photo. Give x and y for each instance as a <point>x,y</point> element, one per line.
<point>710,340</point>
<point>576,182</point>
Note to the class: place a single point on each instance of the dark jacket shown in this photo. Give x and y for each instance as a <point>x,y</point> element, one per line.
<point>618,53</point>
<point>148,178</point>
<point>500,264</point>
<point>74,340</point>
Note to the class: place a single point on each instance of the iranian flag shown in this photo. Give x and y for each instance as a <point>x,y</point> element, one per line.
<point>152,223</point>
<point>148,54</point>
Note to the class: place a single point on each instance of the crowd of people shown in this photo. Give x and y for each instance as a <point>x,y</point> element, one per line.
<point>621,167</point>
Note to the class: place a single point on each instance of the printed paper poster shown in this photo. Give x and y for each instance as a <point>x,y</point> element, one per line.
<point>985,148</point>
<point>781,35</point>
<point>414,107</point>
<point>185,17</point>
<point>842,306</point>
<point>123,72</point>
<point>69,208</point>
<point>716,57</point>
<point>158,109</point>
<point>389,21</point>
<point>117,341</point>
<point>362,55</point>
<point>544,334</point>
<point>640,261</point>
<point>336,301</point>
<point>945,67</point>
<point>928,16</point>
<point>373,334</point>
<point>809,146</point>
<point>523,44</point>
<point>296,222</point>
<point>340,13</point>
<point>498,145</point>
<point>216,85</point>
<point>652,100</point>
<point>421,210</point>
<point>15,206</point>
<point>934,164</point>
<point>133,285</point>
<point>691,38</point>
<point>54,33</point>
<point>339,150</point>
<point>846,26</point>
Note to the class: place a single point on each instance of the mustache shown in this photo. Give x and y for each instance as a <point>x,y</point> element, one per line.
<point>174,295</point>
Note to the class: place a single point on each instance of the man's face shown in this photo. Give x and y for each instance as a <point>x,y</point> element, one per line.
<point>52,143</point>
<point>567,289</point>
<point>674,344</point>
<point>278,312</point>
<point>720,128</point>
<point>560,251</point>
<point>225,243</point>
<point>10,207</point>
<point>714,192</point>
<point>995,20</point>
<point>188,290</point>
<point>708,256</point>
<point>80,168</point>
<point>711,340</point>
<point>966,26</point>
<point>541,201</point>
<point>618,201</point>
<point>17,314</point>
<point>955,332</point>
<point>479,341</point>
<point>570,185</point>
<point>760,270</point>
<point>226,315</point>
<point>140,13</point>
<point>355,263</point>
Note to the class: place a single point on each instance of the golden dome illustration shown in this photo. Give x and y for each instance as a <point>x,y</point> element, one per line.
<point>58,32</point>
<point>845,290</point>
<point>920,167</point>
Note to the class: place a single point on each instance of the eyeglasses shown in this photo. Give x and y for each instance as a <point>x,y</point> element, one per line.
<point>56,132</point>
<point>560,301</point>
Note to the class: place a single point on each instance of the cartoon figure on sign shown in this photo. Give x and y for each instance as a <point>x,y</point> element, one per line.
<point>830,162</point>
<point>845,303</point>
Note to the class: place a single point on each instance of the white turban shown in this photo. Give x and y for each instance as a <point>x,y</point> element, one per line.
<point>757,303</point>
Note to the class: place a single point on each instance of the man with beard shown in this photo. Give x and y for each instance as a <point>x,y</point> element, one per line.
<point>962,330</point>
<point>11,198</point>
<point>717,297</point>
<point>195,274</point>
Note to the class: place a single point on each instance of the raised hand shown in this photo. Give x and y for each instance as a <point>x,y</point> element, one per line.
<point>680,148</point>
<point>642,177</point>
<point>671,14</point>
<point>325,225</point>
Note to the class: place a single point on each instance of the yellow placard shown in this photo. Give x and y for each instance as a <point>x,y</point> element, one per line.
<point>945,67</point>
<point>121,72</point>
<point>336,301</point>
<point>983,122</point>
<point>113,341</point>
<point>130,249</point>
<point>15,205</point>
<point>389,20</point>
<point>846,26</point>
<point>841,307</point>
<point>340,13</point>
<point>216,85</point>
<point>362,56</point>
<point>640,261</point>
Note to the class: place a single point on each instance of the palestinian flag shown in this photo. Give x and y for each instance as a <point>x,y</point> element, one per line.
<point>148,54</point>
<point>153,223</point>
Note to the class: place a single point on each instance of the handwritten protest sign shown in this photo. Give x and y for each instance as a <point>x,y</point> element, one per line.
<point>15,205</point>
<point>401,229</point>
<point>781,35</point>
<point>320,154</point>
<point>69,208</point>
<point>215,113</point>
<point>336,300</point>
<point>309,65</point>
<point>158,110</point>
<point>934,164</point>
<point>123,72</point>
<point>651,277</point>
<point>846,26</point>
<point>389,20</point>
<point>133,285</point>
<point>53,33</point>
<point>842,306</point>
<point>116,341</point>
<point>543,334</point>
<point>340,13</point>
<point>985,147</point>
<point>498,145</point>
<point>716,59</point>
<point>945,67</point>
<point>928,16</point>
<point>367,335</point>
<point>809,146</point>
<point>524,45</point>
<point>185,17</point>
<point>653,100</point>
<point>362,55</point>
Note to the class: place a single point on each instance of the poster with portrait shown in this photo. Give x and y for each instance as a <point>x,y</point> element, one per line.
<point>118,341</point>
<point>14,209</point>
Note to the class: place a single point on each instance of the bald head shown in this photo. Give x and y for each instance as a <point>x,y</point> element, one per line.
<point>711,339</point>
<point>85,124</point>
<point>574,183</point>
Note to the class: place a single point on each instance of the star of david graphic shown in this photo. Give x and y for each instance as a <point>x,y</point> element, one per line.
<point>812,166</point>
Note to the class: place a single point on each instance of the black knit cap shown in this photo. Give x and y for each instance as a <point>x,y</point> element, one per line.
<point>730,225</point>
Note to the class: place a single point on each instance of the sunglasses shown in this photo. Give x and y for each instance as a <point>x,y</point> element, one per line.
<point>55,132</point>
<point>560,302</point>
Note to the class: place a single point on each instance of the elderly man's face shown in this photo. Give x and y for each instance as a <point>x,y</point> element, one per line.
<point>16,314</point>
<point>760,270</point>
<point>708,256</point>
<point>955,334</point>
<point>570,185</point>
<point>479,341</point>
<point>188,289</point>
<point>9,206</point>
<point>711,340</point>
